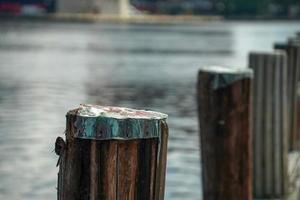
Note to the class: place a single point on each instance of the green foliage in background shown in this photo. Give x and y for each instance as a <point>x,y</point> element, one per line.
<point>258,7</point>
<point>228,8</point>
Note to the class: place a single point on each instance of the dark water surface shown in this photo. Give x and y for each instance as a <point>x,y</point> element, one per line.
<point>48,68</point>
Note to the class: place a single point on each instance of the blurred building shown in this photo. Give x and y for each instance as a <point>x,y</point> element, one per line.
<point>28,7</point>
<point>35,7</point>
<point>116,7</point>
<point>124,8</point>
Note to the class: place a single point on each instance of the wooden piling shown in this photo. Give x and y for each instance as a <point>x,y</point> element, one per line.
<point>293,77</point>
<point>280,46</point>
<point>113,153</point>
<point>294,41</point>
<point>224,101</point>
<point>294,61</point>
<point>270,131</point>
<point>298,112</point>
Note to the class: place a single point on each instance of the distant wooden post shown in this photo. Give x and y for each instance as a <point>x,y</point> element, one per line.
<point>293,77</point>
<point>224,101</point>
<point>270,132</point>
<point>298,112</point>
<point>280,46</point>
<point>294,41</point>
<point>293,53</point>
<point>112,153</point>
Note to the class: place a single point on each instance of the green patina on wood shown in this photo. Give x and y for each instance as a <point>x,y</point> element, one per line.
<point>112,153</point>
<point>104,123</point>
<point>224,76</point>
<point>224,102</point>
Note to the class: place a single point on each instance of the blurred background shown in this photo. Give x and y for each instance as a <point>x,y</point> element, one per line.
<point>228,8</point>
<point>49,65</point>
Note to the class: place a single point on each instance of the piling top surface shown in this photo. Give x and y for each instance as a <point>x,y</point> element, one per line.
<point>294,40</point>
<point>87,110</point>
<point>227,70</point>
<point>275,53</point>
<point>280,46</point>
<point>107,122</point>
<point>225,76</point>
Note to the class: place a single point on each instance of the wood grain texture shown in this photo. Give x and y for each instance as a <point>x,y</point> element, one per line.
<point>294,63</point>
<point>75,163</point>
<point>147,161</point>
<point>107,169</point>
<point>293,77</point>
<point>225,127</point>
<point>267,113</point>
<point>127,169</point>
<point>112,169</point>
<point>93,170</point>
<point>298,112</point>
<point>162,163</point>
<point>270,122</point>
<point>257,108</point>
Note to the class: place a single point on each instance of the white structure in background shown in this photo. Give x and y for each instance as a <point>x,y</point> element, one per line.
<point>116,7</point>
<point>106,7</point>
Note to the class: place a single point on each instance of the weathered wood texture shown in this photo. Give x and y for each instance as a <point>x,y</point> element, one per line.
<point>293,76</point>
<point>294,60</point>
<point>112,168</point>
<point>269,124</point>
<point>224,100</point>
<point>298,112</point>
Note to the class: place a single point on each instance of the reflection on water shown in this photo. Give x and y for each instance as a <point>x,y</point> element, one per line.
<point>48,68</point>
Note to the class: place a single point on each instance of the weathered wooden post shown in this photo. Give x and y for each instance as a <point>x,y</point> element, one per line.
<point>270,131</point>
<point>293,76</point>
<point>298,112</point>
<point>112,153</point>
<point>224,101</point>
<point>294,41</point>
<point>280,46</point>
<point>293,53</point>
